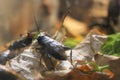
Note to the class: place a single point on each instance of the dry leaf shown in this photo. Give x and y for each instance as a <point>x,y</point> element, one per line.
<point>112,61</point>
<point>108,72</point>
<point>88,47</point>
<point>78,75</point>
<point>27,64</point>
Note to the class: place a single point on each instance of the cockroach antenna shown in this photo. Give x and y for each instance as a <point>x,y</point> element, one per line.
<point>34,18</point>
<point>37,25</point>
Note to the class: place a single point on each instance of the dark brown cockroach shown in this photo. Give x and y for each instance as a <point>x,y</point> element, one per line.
<point>15,47</point>
<point>52,47</point>
<point>22,42</point>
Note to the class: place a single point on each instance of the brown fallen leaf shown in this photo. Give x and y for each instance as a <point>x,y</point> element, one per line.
<point>108,72</point>
<point>112,61</point>
<point>84,68</point>
<point>78,75</point>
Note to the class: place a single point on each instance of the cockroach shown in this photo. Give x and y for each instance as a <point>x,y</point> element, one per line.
<point>52,47</point>
<point>49,47</point>
<point>14,48</point>
<point>22,42</point>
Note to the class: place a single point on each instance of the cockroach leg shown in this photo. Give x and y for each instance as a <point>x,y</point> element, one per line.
<point>52,64</point>
<point>71,60</point>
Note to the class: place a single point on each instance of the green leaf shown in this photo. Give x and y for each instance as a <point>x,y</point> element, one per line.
<point>112,45</point>
<point>71,42</point>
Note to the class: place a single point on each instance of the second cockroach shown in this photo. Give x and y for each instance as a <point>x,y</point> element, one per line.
<point>15,47</point>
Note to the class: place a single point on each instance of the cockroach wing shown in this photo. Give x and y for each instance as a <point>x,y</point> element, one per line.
<point>52,47</point>
<point>21,43</point>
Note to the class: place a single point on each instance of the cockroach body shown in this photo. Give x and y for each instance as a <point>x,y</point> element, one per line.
<point>22,42</point>
<point>17,45</point>
<point>52,47</point>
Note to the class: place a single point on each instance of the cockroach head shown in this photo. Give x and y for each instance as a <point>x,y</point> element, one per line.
<point>30,34</point>
<point>41,35</point>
